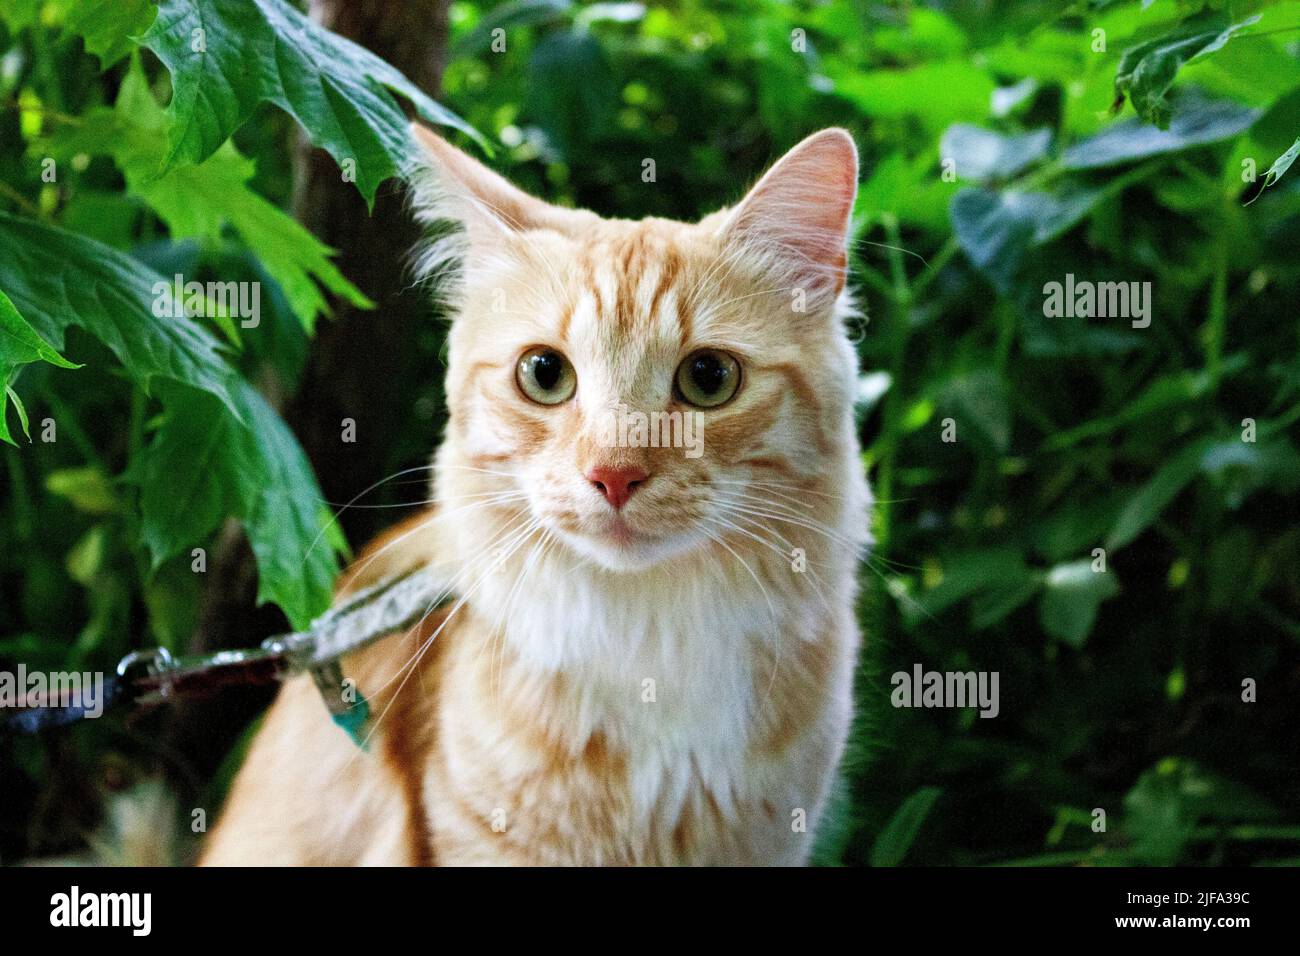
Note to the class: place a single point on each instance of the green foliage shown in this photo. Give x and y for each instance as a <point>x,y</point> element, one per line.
<point>20,344</point>
<point>1113,528</point>
<point>1147,70</point>
<point>216,454</point>
<point>203,446</point>
<point>57,279</point>
<point>109,27</point>
<point>901,831</point>
<point>199,201</point>
<point>1281,165</point>
<point>204,465</point>
<point>227,56</point>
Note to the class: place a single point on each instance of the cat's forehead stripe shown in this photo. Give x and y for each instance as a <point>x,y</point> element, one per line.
<point>567,309</point>
<point>670,264</point>
<point>684,320</point>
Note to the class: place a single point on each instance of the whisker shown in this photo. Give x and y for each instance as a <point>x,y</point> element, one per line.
<point>400,504</point>
<point>796,519</point>
<point>441,515</point>
<point>334,519</point>
<point>534,555</point>
<point>776,658</point>
<point>767,597</point>
<point>485,471</point>
<point>814,576</point>
<point>412,665</point>
<point>769,501</point>
<point>788,485</point>
<point>442,499</point>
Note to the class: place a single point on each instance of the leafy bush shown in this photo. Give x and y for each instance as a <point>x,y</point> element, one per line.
<point>1100,509</point>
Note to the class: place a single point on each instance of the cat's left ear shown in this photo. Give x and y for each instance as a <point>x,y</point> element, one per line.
<point>448,184</point>
<point>794,222</point>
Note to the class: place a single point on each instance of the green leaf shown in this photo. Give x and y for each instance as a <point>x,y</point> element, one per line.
<point>19,14</point>
<point>1147,71</point>
<point>1279,168</point>
<point>221,446</point>
<point>107,26</point>
<point>203,465</point>
<point>993,605</point>
<point>1169,801</point>
<point>1243,466</point>
<point>1199,122</point>
<point>934,94</point>
<point>1071,594</point>
<point>173,596</point>
<point>907,189</point>
<point>995,229</point>
<point>903,828</point>
<point>57,279</point>
<point>969,572</point>
<point>22,417</point>
<point>1240,468</point>
<point>198,201</point>
<point>921,34</point>
<point>979,400</point>
<point>506,16</point>
<point>571,89</point>
<point>227,56</point>
<point>1163,393</point>
<point>89,489</point>
<point>86,558</point>
<point>19,345</point>
<point>628,11</point>
<point>981,154</point>
<point>1146,504</point>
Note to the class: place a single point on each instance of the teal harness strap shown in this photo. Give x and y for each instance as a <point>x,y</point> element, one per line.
<point>353,721</point>
<point>365,617</point>
<point>348,707</point>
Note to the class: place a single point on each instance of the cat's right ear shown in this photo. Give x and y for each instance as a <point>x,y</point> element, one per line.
<point>448,184</point>
<point>795,221</point>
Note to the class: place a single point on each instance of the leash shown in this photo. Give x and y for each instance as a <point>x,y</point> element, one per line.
<point>150,677</point>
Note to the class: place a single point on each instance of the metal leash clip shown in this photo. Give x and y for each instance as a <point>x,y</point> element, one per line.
<point>146,665</point>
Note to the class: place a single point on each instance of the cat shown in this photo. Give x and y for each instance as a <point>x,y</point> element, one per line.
<point>651,657</point>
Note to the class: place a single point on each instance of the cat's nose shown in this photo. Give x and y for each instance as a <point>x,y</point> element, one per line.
<point>616,484</point>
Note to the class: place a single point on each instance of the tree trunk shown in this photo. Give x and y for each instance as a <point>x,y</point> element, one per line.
<point>370,367</point>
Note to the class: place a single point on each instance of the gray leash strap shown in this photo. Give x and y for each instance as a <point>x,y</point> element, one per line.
<point>153,676</point>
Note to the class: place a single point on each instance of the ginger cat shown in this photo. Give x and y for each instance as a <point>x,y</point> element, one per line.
<point>651,660</point>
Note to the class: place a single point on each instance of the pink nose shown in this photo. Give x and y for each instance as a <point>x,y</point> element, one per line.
<point>616,484</point>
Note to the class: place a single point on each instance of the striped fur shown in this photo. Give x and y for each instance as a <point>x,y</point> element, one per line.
<point>669,685</point>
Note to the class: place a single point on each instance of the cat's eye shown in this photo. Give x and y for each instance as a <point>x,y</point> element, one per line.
<point>546,376</point>
<point>707,378</point>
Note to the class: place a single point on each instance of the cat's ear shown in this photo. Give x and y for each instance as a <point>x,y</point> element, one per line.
<point>449,184</point>
<point>794,222</point>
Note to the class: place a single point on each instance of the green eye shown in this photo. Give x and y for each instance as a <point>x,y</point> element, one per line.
<point>708,378</point>
<point>546,376</point>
